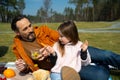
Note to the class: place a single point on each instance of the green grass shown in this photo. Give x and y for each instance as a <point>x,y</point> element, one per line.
<point>82,25</point>
<point>5,27</point>
<point>6,41</point>
<point>89,25</point>
<point>108,41</point>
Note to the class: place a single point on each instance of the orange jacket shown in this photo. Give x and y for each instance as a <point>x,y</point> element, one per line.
<point>44,35</point>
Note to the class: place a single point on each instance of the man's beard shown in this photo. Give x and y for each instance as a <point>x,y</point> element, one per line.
<point>31,37</point>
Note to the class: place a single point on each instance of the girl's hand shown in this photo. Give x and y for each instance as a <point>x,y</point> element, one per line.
<point>84,46</point>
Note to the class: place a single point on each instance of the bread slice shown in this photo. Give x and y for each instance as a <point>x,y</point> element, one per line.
<point>41,74</point>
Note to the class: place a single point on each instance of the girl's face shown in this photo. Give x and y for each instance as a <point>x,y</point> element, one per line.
<point>63,39</point>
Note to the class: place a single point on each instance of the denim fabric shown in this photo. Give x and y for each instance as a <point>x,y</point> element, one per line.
<point>90,72</point>
<point>110,78</point>
<point>55,76</point>
<point>104,57</point>
<point>94,72</point>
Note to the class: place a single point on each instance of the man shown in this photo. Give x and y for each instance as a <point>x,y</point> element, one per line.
<point>28,38</point>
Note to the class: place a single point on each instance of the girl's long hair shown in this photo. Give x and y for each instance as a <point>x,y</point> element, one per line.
<point>69,30</point>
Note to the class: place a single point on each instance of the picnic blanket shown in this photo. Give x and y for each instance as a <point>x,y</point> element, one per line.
<point>19,76</point>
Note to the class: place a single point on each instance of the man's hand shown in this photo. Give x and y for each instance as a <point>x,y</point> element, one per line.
<point>41,56</point>
<point>20,64</point>
<point>50,50</point>
<point>45,51</point>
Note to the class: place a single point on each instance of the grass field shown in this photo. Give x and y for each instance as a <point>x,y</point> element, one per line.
<point>108,41</point>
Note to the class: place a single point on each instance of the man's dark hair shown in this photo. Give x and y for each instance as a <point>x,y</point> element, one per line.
<point>15,19</point>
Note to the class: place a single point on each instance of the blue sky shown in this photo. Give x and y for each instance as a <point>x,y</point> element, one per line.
<point>32,6</point>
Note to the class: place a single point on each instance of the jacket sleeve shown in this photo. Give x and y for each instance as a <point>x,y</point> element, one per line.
<point>87,60</point>
<point>15,52</point>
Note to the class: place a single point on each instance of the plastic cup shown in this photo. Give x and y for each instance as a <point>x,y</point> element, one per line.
<point>35,53</point>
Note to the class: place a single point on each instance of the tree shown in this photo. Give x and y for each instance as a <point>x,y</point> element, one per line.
<point>78,4</point>
<point>68,13</point>
<point>21,6</point>
<point>44,11</point>
<point>41,14</point>
<point>8,8</point>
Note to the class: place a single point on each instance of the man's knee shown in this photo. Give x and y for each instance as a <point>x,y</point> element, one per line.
<point>104,74</point>
<point>97,53</point>
<point>107,54</point>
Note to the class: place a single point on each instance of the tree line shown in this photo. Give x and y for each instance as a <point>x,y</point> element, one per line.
<point>10,8</point>
<point>84,10</point>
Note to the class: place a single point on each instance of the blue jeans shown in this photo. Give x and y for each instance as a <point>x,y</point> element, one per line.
<point>104,57</point>
<point>55,76</point>
<point>90,72</point>
<point>94,72</point>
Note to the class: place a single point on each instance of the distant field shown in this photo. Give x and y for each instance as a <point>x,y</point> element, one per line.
<point>108,41</point>
<point>82,25</point>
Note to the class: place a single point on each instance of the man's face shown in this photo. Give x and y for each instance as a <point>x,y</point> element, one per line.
<point>25,30</point>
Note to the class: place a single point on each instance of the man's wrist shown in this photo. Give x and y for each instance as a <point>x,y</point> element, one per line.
<point>26,69</point>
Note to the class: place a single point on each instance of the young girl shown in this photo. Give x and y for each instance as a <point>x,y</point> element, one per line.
<point>70,50</point>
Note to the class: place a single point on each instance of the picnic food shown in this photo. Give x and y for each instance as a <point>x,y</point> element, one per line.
<point>35,65</point>
<point>9,73</point>
<point>34,55</point>
<point>2,77</point>
<point>43,44</point>
<point>40,75</point>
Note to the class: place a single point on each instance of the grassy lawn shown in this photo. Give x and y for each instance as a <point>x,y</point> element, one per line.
<point>108,41</point>
<point>6,41</point>
<point>82,25</point>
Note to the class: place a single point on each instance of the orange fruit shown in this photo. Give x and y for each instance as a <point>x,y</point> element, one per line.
<point>9,73</point>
